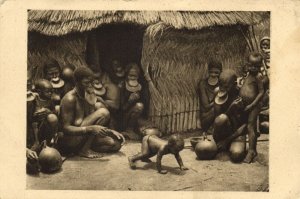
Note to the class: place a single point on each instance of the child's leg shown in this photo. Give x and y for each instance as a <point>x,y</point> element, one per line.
<point>52,121</point>
<point>145,154</point>
<point>48,128</point>
<point>252,134</point>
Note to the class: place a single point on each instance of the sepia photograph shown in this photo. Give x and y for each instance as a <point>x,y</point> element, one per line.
<point>148,100</point>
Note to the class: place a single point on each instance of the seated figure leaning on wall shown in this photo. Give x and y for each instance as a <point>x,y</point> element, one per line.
<point>207,92</point>
<point>84,120</point>
<point>131,107</point>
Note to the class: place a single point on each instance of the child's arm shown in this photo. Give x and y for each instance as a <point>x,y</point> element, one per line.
<point>36,138</point>
<point>158,162</point>
<point>133,98</point>
<point>204,97</point>
<point>180,163</point>
<point>260,94</point>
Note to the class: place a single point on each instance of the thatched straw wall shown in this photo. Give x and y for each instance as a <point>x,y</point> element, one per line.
<point>67,50</point>
<point>177,61</point>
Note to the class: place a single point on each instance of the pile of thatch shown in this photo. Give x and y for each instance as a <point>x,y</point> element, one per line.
<point>177,61</point>
<point>61,22</point>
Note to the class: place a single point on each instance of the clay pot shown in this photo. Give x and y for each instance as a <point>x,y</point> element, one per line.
<point>49,159</point>
<point>194,141</point>
<point>206,149</point>
<point>237,150</point>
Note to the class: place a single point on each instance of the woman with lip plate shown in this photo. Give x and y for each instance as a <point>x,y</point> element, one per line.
<point>207,92</point>
<point>131,105</point>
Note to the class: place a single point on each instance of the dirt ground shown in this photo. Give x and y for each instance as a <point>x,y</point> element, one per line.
<point>113,173</point>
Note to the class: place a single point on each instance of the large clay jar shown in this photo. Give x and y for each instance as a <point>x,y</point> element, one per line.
<point>49,159</point>
<point>237,150</point>
<point>206,149</point>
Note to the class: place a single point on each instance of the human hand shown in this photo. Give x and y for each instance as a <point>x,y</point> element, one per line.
<point>237,104</point>
<point>41,113</point>
<point>35,146</point>
<point>163,171</point>
<point>101,99</point>
<point>97,130</point>
<point>249,108</point>
<point>237,101</point>
<point>183,168</point>
<point>118,135</point>
<point>30,154</point>
<point>222,145</point>
<point>134,97</point>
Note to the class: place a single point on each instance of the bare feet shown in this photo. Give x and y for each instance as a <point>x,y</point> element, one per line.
<point>250,156</point>
<point>146,160</point>
<point>163,171</point>
<point>222,145</point>
<point>131,163</point>
<point>90,154</point>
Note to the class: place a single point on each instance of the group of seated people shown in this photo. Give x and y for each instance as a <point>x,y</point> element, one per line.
<point>231,105</point>
<point>83,111</point>
<point>87,112</point>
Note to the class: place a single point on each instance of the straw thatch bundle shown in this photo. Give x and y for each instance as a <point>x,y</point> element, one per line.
<point>61,22</point>
<point>177,61</point>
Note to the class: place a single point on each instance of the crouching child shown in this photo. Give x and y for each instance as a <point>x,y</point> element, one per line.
<point>153,145</point>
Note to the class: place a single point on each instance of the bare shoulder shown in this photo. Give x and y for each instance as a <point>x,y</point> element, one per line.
<point>112,90</point>
<point>70,97</point>
<point>111,87</point>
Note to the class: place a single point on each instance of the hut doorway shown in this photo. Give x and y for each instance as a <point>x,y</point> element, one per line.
<point>122,42</point>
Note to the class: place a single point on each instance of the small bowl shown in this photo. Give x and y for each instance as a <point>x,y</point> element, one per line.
<point>195,140</point>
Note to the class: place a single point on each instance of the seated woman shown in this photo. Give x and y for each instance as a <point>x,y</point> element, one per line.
<point>230,123</point>
<point>60,79</point>
<point>207,94</point>
<point>108,94</point>
<point>131,106</point>
<point>83,120</point>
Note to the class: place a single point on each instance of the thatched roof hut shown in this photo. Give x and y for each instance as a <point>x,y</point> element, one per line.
<point>173,45</point>
<point>58,22</point>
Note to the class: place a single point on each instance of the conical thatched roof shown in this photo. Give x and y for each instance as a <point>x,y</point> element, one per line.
<point>61,22</point>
